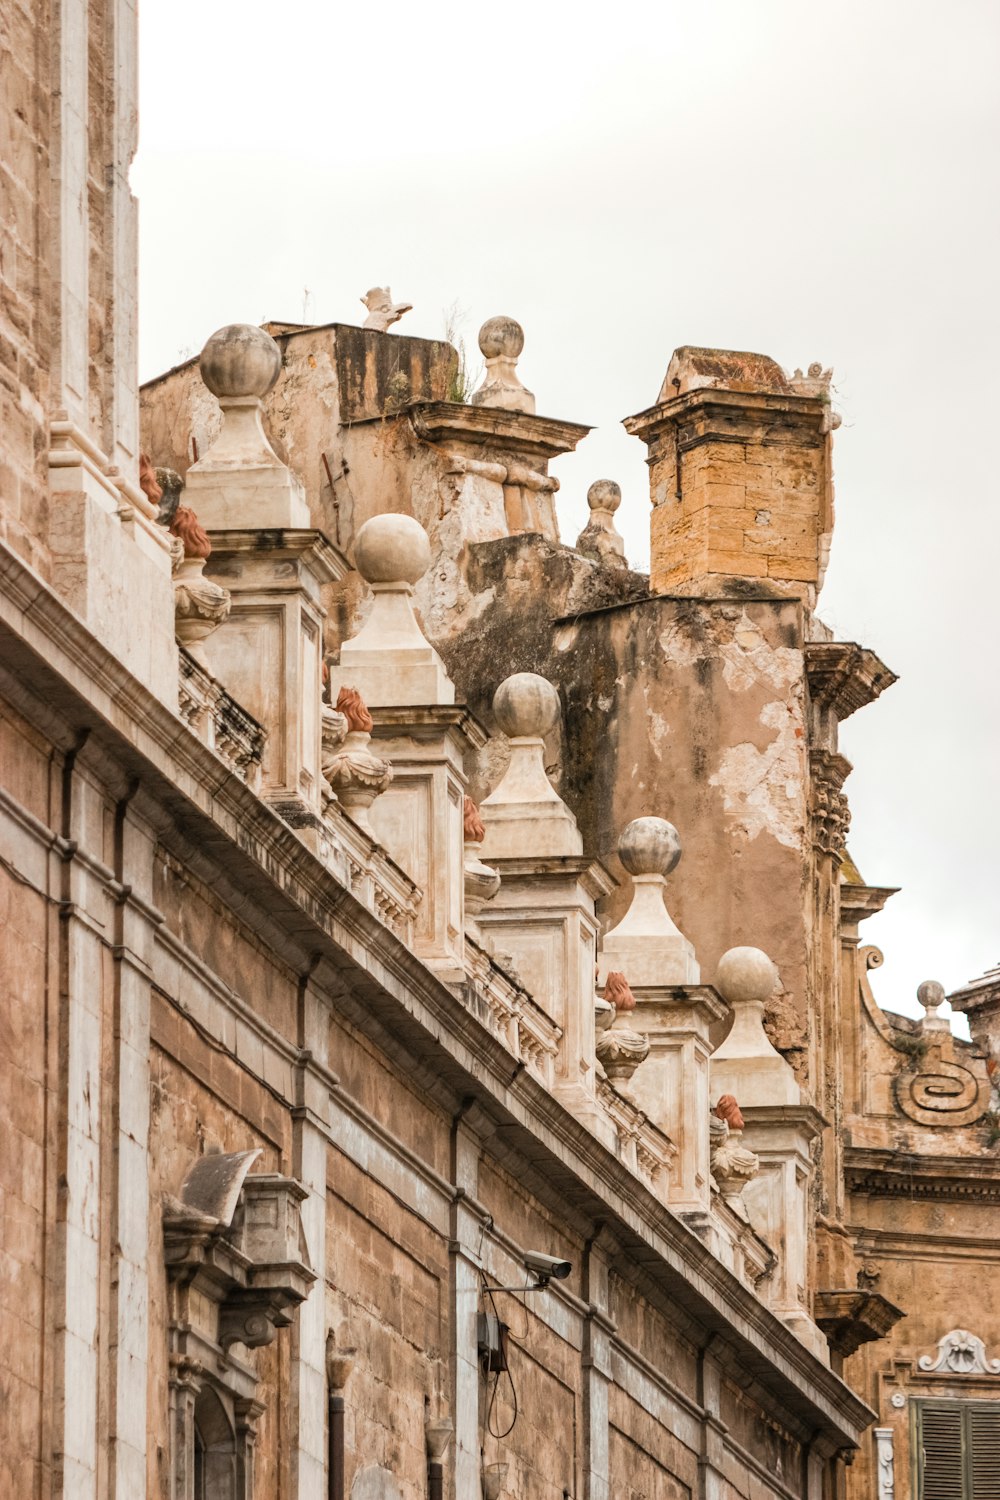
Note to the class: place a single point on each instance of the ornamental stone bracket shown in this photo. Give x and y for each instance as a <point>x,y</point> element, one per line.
<point>829,813</point>
<point>854,1317</point>
<point>959,1353</point>
<point>844,676</point>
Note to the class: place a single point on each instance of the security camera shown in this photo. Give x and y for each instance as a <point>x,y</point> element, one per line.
<point>546,1267</point>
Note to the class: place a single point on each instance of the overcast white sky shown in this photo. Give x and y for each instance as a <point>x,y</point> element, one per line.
<point>809,181</point>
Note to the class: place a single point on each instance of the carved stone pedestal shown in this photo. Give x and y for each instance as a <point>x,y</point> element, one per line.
<point>268,653</point>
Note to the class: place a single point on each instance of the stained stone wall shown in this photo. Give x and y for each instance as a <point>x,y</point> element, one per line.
<point>27,271</point>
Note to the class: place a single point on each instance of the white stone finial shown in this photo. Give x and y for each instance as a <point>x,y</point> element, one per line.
<point>390,660</point>
<point>240,361</point>
<point>382,311</point>
<point>525,816</point>
<point>931,996</point>
<point>746,976</point>
<point>747,1064</point>
<point>646,944</point>
<point>241,483</point>
<point>501,341</point>
<point>599,539</point>
<point>526,705</point>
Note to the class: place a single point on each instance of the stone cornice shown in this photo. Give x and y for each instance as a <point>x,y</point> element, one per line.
<point>884,1173</point>
<point>64,676</point>
<point>492,427</point>
<point>282,545</point>
<point>711,413</point>
<point>595,877</point>
<point>860,901</point>
<point>432,718</point>
<point>844,676</point>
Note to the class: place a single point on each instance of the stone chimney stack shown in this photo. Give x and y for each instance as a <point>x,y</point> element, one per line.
<point>740,474</point>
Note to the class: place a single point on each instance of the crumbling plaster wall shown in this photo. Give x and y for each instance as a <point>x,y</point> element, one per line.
<point>689,709</point>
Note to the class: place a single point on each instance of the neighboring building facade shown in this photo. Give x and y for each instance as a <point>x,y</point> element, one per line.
<point>303,1061</point>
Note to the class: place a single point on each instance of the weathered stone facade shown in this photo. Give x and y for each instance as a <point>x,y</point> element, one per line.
<point>303,1065</point>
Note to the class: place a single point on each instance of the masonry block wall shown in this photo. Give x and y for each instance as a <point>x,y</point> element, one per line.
<point>26,50</point>
<point>740,476</point>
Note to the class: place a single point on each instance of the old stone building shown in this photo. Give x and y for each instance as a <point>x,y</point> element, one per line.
<point>438,1053</point>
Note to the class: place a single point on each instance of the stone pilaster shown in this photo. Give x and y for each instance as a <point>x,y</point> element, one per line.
<point>543,916</point>
<point>419,820</point>
<point>310,1144</point>
<point>465,1265</point>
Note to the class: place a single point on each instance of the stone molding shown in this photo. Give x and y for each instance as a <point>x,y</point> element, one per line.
<point>884,1173</point>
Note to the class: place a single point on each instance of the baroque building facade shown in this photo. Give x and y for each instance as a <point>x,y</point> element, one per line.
<point>438,1050</point>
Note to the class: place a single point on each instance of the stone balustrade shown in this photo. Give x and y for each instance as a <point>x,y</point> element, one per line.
<point>219,721</point>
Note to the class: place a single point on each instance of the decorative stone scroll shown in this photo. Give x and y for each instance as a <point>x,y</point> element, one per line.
<point>959,1353</point>
<point>830,816</point>
<point>481,881</point>
<point>938,1089</point>
<point>733,1164</point>
<point>200,605</point>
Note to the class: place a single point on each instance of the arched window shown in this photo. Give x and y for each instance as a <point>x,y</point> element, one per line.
<point>214,1450</point>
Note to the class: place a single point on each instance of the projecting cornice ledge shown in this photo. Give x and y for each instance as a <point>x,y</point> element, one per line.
<point>876,1173</point>
<point>844,676</point>
<point>852,1318</point>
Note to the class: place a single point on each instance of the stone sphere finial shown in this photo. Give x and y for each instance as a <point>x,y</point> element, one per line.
<point>649,846</point>
<point>931,994</point>
<point>501,338</point>
<point>525,706</point>
<point>392,549</point>
<point>604,494</point>
<point>240,360</point>
<point>745,974</point>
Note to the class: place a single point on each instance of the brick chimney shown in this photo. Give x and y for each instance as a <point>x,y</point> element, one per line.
<point>740,474</point>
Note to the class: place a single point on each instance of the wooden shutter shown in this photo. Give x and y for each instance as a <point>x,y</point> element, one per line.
<point>984,1441</point>
<point>942,1466</point>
